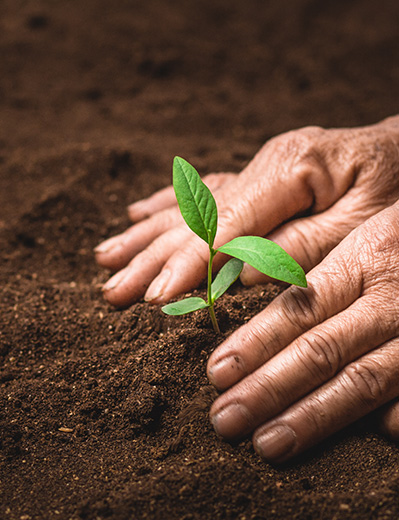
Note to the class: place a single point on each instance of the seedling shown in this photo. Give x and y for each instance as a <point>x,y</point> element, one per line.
<point>198,209</point>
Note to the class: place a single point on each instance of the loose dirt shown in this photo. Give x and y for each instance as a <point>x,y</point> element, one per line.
<point>103,412</point>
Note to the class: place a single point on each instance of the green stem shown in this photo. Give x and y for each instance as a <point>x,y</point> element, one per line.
<point>211,308</point>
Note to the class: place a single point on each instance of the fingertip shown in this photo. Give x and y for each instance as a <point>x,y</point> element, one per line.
<point>121,290</point>
<point>119,297</point>
<point>225,372</point>
<point>232,421</point>
<point>111,257</point>
<point>158,287</point>
<point>275,444</point>
<point>114,281</point>
<point>250,276</point>
<point>138,211</point>
<point>107,245</point>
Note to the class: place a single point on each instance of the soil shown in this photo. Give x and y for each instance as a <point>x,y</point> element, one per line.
<point>103,412</point>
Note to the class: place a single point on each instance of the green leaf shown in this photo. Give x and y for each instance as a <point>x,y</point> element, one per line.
<point>184,306</point>
<point>266,256</point>
<point>196,202</point>
<point>227,275</point>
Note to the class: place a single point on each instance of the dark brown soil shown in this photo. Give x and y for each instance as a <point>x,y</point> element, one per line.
<point>103,413</point>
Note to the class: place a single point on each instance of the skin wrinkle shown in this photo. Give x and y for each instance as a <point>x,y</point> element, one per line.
<point>342,170</point>
<point>267,328</point>
<point>317,177</point>
<point>376,253</point>
<point>198,249</point>
<point>272,395</point>
<point>317,419</point>
<point>348,271</point>
<point>317,410</point>
<point>376,183</point>
<point>372,385</point>
<point>296,391</point>
<point>318,349</point>
<point>297,305</point>
<point>228,215</point>
<point>256,334</point>
<point>303,239</point>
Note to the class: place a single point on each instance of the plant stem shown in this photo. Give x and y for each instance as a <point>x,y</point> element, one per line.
<point>211,308</point>
<point>213,318</point>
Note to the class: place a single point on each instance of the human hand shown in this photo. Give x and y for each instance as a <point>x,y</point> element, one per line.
<point>319,358</point>
<point>340,177</point>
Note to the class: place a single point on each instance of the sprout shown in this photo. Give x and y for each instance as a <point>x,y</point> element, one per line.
<point>198,208</point>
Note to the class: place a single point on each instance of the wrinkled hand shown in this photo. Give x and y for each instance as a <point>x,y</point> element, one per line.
<point>318,358</point>
<point>338,177</point>
<point>304,367</point>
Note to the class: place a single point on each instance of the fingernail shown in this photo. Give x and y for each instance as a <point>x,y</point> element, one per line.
<point>232,421</point>
<point>226,372</point>
<point>276,444</point>
<point>158,286</point>
<point>114,281</point>
<point>109,244</point>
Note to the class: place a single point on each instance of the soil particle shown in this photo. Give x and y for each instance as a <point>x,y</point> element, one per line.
<point>104,412</point>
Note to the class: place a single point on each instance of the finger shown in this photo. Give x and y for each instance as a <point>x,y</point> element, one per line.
<point>188,263</point>
<point>116,252</point>
<point>332,287</point>
<point>360,388</point>
<point>130,284</point>
<point>184,270</point>
<point>313,358</point>
<point>288,185</point>
<point>308,240</point>
<point>162,199</point>
<point>388,419</point>
<point>166,198</point>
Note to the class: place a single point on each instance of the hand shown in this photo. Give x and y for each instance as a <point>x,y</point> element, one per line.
<point>338,177</point>
<point>319,358</point>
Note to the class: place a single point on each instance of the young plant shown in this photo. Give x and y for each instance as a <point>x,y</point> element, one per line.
<point>198,208</point>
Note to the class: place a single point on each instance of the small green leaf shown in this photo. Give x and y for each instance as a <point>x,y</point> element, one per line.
<point>196,202</point>
<point>227,275</point>
<point>266,256</point>
<point>184,306</point>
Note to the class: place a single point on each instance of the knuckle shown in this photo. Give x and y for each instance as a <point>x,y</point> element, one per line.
<point>298,307</point>
<point>369,381</point>
<point>151,255</point>
<point>228,214</point>
<point>313,417</point>
<point>298,143</point>
<point>195,250</point>
<point>269,395</point>
<point>293,155</point>
<point>387,238</point>
<point>239,218</point>
<point>378,245</point>
<point>377,155</point>
<point>321,355</point>
<point>261,338</point>
<point>306,241</point>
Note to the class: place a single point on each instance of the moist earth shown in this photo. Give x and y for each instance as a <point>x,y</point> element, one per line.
<point>104,412</point>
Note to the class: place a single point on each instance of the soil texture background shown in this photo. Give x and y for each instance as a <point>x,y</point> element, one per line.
<point>103,412</point>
